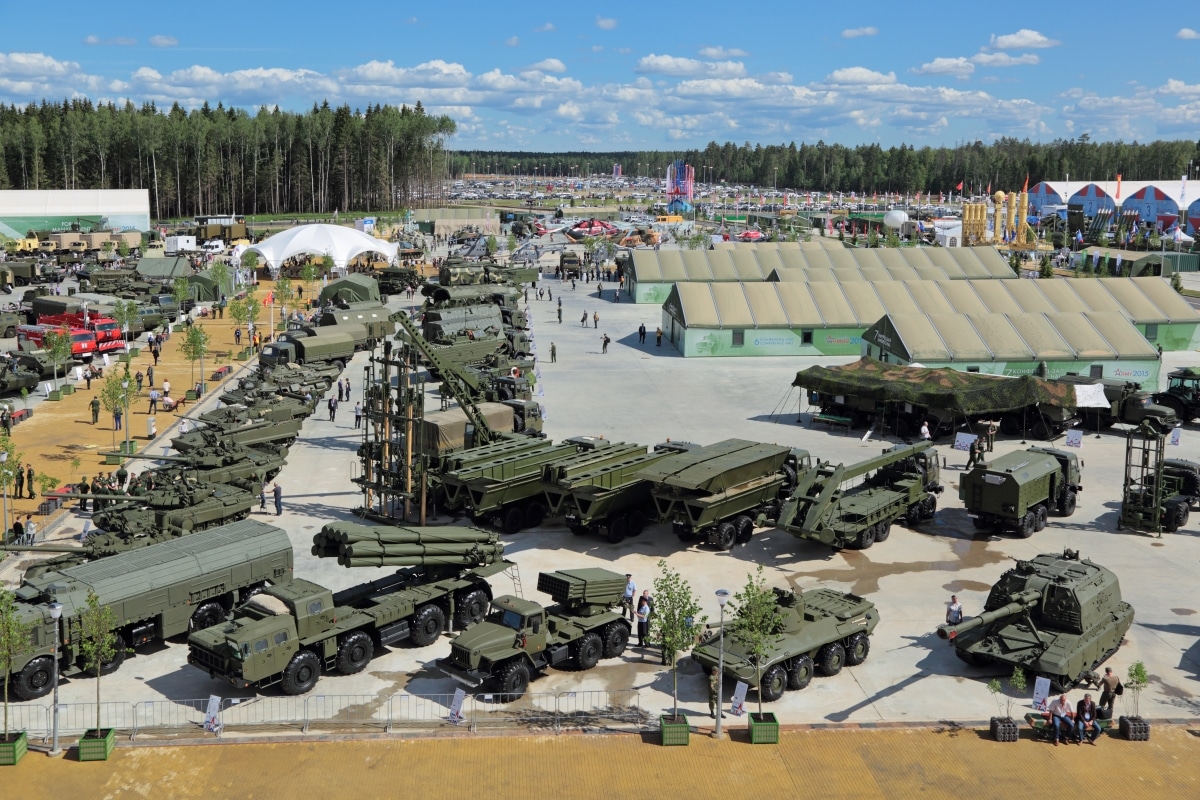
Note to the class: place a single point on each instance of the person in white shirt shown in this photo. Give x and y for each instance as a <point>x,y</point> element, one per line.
<point>1062,715</point>
<point>954,612</point>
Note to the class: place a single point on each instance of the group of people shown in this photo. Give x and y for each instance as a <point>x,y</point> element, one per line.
<point>639,609</point>
<point>1082,721</point>
<point>23,477</point>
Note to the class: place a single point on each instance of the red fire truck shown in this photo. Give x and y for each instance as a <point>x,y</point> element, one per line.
<point>108,332</point>
<point>33,337</point>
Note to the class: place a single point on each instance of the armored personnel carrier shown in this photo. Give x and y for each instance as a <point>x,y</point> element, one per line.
<point>1057,616</point>
<point>14,376</point>
<point>821,628</point>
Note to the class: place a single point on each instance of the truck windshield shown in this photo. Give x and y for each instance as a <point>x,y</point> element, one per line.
<point>107,326</point>
<point>507,618</point>
<point>81,337</point>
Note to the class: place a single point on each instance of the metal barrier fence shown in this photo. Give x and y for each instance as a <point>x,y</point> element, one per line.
<point>618,709</point>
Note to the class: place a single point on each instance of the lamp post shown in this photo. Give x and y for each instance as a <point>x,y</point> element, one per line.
<point>56,610</point>
<point>722,599</point>
<point>125,419</point>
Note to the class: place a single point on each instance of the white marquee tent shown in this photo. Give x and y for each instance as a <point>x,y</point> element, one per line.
<point>341,243</point>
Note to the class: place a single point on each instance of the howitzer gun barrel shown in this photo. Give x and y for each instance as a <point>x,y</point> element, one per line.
<point>473,551</point>
<point>408,561</point>
<point>1021,603</point>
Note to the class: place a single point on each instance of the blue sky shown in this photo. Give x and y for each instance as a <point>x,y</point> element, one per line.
<point>624,75</point>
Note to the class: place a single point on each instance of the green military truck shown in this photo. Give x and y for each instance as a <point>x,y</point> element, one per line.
<point>155,592</point>
<point>570,264</point>
<point>520,638</point>
<point>1017,492</point>
<point>1182,394</point>
<point>819,629</point>
<point>855,506</point>
<point>9,321</point>
<point>714,493</point>
<point>1126,404</point>
<point>310,346</point>
<point>289,633</point>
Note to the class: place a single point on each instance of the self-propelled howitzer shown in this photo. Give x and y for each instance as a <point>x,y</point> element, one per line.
<point>1057,616</point>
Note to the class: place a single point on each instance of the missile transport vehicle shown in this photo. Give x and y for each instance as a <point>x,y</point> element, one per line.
<point>825,507</point>
<point>155,592</point>
<point>292,631</point>
<point>714,493</point>
<point>520,638</point>
<point>1057,616</point>
<point>1017,492</point>
<point>821,629</point>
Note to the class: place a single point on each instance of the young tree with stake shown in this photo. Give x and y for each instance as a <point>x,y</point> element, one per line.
<point>14,638</point>
<point>756,623</point>
<point>675,621</point>
<point>97,642</point>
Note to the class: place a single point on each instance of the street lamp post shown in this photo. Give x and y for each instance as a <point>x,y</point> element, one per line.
<point>722,598</point>
<point>56,610</point>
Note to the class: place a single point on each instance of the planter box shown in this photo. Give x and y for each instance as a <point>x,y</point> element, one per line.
<point>55,395</point>
<point>13,748</point>
<point>123,358</point>
<point>67,389</point>
<point>135,351</point>
<point>240,355</point>
<point>190,394</point>
<point>1004,729</point>
<point>1135,729</point>
<point>96,748</point>
<point>675,730</point>
<point>764,728</point>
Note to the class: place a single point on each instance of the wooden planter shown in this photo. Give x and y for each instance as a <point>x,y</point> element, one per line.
<point>1004,729</point>
<point>67,389</point>
<point>764,728</point>
<point>675,730</point>
<point>1135,729</point>
<point>96,745</point>
<point>13,748</point>
<point>55,395</point>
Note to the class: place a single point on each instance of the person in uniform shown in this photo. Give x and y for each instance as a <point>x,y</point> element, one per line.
<point>714,685</point>
<point>95,405</point>
<point>83,490</point>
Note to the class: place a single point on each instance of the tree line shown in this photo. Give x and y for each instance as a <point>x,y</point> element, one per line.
<point>868,168</point>
<point>214,161</point>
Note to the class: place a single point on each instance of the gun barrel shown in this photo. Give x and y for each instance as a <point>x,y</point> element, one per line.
<point>1020,603</point>
<point>43,548</point>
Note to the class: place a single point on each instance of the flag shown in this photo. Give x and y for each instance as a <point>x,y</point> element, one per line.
<point>270,298</point>
<point>959,187</point>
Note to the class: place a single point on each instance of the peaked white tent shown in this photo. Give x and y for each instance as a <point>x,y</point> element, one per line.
<point>342,244</point>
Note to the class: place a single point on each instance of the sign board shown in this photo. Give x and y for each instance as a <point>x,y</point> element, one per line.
<point>737,703</point>
<point>962,441</point>
<point>456,715</point>
<point>1041,693</point>
<point>867,435</point>
<point>212,716</point>
<point>1176,436</point>
<point>1074,438</point>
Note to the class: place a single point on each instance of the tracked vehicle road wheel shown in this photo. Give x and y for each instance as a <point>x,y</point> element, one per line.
<point>801,673</point>
<point>588,651</point>
<point>616,637</point>
<point>831,658</point>
<point>514,681</point>
<point>726,536</point>
<point>427,625</point>
<point>858,647</point>
<point>354,653</point>
<point>773,683</point>
<point>470,607</point>
<point>301,673</point>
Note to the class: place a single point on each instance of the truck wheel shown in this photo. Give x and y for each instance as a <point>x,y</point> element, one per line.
<point>339,365</point>
<point>883,530</point>
<point>616,637</point>
<point>617,527</point>
<point>35,679</point>
<point>578,530</point>
<point>1026,525</point>
<point>686,534</point>
<point>1067,507</point>
<point>1039,517</point>
<point>354,653</point>
<point>1010,424</point>
<point>866,538</point>
<point>789,476</point>
<point>206,616</point>
<point>801,673</point>
<point>857,648</point>
<point>113,664</point>
<point>744,526</point>
<point>637,523</point>
<point>472,607</point>
<point>301,673</point>
<point>726,536</point>
<point>588,651</point>
<point>514,520</point>
<point>832,658</point>
<point>514,681</point>
<point>912,517</point>
<point>535,512</point>
<point>981,524</point>
<point>771,687</point>
<point>427,625</point>
<point>10,332</point>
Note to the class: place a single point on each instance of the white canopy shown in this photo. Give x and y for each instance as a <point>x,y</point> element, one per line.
<point>339,242</point>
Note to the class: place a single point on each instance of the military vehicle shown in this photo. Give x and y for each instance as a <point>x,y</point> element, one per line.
<point>314,378</point>
<point>274,408</point>
<point>290,632</point>
<point>821,628</point>
<point>262,432</point>
<point>609,500</point>
<point>9,321</point>
<point>371,317</point>
<point>1182,394</point>
<point>26,272</point>
<point>229,463</point>
<point>38,362</point>
<point>332,345</point>
<point>1127,404</point>
<point>457,459</point>
<point>15,376</point>
<point>1018,491</point>
<point>507,492</point>
<point>1056,616</point>
<point>1157,492</point>
<point>570,264</point>
<point>520,638</point>
<point>826,507</point>
<point>179,507</point>
<point>396,280</point>
<point>497,379</point>
<point>714,493</point>
<point>156,592</point>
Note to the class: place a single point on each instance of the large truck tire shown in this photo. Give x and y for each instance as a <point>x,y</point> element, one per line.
<point>831,658</point>
<point>472,606</point>
<point>616,638</point>
<point>206,616</point>
<point>354,653</point>
<point>858,647</point>
<point>301,674</point>
<point>35,679</point>
<point>801,673</point>
<point>588,650</point>
<point>774,682</point>
<point>427,625</point>
<point>113,664</point>
<point>513,680</point>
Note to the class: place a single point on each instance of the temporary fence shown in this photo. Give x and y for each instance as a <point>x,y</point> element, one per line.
<point>602,710</point>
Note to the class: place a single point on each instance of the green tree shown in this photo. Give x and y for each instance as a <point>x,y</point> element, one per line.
<point>125,313</point>
<point>675,621</point>
<point>1155,242</point>
<point>98,642</point>
<point>893,239</point>
<point>14,639</point>
<point>1136,679</point>
<point>1016,681</point>
<point>122,248</point>
<point>1045,268</point>
<point>1014,262</point>
<point>512,244</point>
<point>1102,239</point>
<point>590,243</point>
<point>284,292</point>
<point>756,622</point>
<point>238,312</point>
<point>1176,282</point>
<point>8,471</point>
<point>308,273</point>
<point>250,260</point>
<point>58,347</point>
<point>195,348</point>
<point>220,276</point>
<point>180,290</point>
<point>114,397</point>
<point>492,245</point>
<point>253,309</point>
<point>872,238</point>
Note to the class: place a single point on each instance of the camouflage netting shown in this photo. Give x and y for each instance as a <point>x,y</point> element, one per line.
<point>968,392</point>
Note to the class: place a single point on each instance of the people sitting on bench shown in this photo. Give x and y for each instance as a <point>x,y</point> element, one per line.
<point>1086,722</point>
<point>1062,716</point>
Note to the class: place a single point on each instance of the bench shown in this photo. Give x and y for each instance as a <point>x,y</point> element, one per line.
<point>832,419</point>
<point>222,355</point>
<point>1043,729</point>
<point>221,373</point>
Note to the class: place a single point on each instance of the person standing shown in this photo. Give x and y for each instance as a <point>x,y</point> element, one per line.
<point>925,435</point>
<point>150,376</point>
<point>974,453</point>
<point>658,337</point>
<point>30,529</point>
<point>29,481</point>
<point>583,319</point>
<point>262,498</point>
<point>95,406</point>
<point>560,315</point>
<point>714,685</point>
<point>604,340</point>
<point>627,598</point>
<point>166,392</point>
<point>595,319</point>
<point>153,401</point>
<point>82,489</point>
<point>117,419</point>
<point>18,531</point>
<point>333,404</point>
<point>347,383</point>
<point>643,621</point>
<point>1110,689</point>
<point>553,353</point>
<point>954,611</point>
<point>138,378</point>
<point>19,478</point>
<point>237,337</point>
<point>277,491</point>
<point>642,333</point>
<point>339,388</point>
<point>358,415</point>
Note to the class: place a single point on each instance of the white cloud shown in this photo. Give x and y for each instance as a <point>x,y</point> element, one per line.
<point>411,21</point>
<point>545,27</point>
<point>723,52</point>
<point>1187,33</point>
<point>570,110</point>
<point>119,41</point>
<point>513,41</point>
<point>550,65</point>
<point>163,41</point>
<point>854,33</point>
<point>1004,59</point>
<point>681,67</point>
<point>1174,86</point>
<point>1024,39</point>
<point>597,48</point>
<point>859,75</point>
<point>957,67</point>
<point>605,23</point>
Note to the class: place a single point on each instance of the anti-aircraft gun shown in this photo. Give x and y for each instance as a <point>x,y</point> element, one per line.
<point>1057,616</point>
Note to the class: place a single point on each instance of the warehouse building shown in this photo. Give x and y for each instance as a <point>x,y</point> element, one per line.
<point>813,318</point>
<point>82,210</point>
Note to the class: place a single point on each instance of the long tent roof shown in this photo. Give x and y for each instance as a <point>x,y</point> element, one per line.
<point>159,268</point>
<point>859,304</point>
<point>752,263</point>
<point>341,243</point>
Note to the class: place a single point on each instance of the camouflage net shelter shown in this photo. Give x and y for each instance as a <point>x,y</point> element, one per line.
<point>968,392</point>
